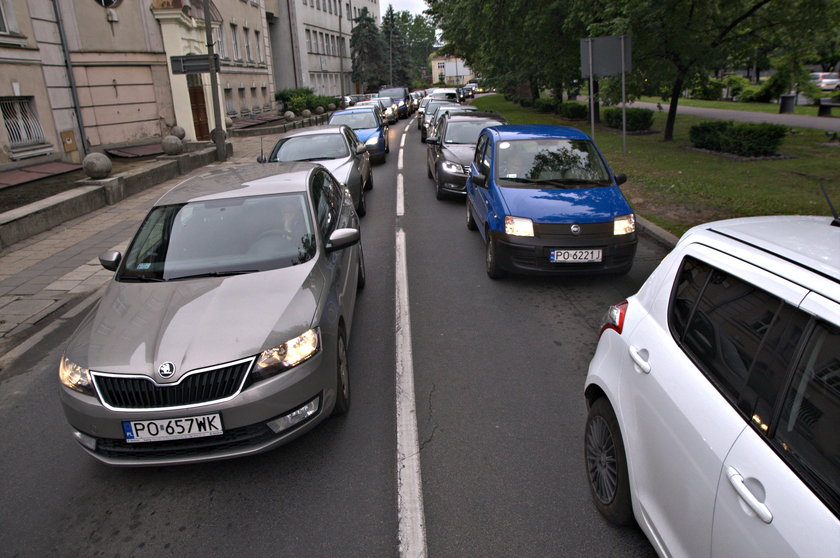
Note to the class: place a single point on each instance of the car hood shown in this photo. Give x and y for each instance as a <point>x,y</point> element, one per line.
<point>340,168</point>
<point>136,327</point>
<point>365,134</point>
<point>554,205</point>
<point>459,153</point>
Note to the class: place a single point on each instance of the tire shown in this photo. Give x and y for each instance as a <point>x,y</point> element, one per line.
<point>342,390</point>
<point>439,193</point>
<point>490,258</point>
<point>606,464</point>
<point>362,276</point>
<point>429,171</point>
<point>369,183</point>
<point>470,221</point>
<point>361,209</point>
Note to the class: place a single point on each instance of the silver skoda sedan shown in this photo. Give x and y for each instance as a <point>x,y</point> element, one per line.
<point>225,330</point>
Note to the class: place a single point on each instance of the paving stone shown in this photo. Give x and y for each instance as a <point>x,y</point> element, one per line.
<point>26,307</point>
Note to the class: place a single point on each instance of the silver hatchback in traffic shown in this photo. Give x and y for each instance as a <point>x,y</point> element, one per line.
<point>225,329</point>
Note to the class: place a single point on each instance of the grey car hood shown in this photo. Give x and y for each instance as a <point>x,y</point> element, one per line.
<point>459,153</point>
<point>195,323</point>
<point>339,168</point>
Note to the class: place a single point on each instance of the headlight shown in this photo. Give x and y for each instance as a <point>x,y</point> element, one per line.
<point>625,224</point>
<point>288,355</point>
<point>452,167</point>
<point>75,377</point>
<point>519,226</point>
<point>372,141</point>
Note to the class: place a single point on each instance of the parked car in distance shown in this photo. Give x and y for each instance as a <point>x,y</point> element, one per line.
<point>368,125</point>
<point>224,331</point>
<point>445,94</point>
<point>386,104</point>
<point>827,81</point>
<point>452,148</point>
<point>440,112</point>
<point>714,394</point>
<point>335,147</point>
<point>428,116</point>
<point>421,110</point>
<point>401,98</point>
<point>545,202</point>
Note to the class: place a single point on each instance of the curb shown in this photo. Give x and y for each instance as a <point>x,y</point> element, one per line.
<point>656,233</point>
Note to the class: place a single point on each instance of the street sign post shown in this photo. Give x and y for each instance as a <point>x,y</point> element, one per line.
<point>193,64</point>
<point>606,56</point>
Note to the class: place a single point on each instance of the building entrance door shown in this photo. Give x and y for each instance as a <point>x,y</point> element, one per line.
<point>199,107</point>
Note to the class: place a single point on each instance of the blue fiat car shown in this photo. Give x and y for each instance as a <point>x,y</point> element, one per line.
<point>546,202</point>
<point>369,127</point>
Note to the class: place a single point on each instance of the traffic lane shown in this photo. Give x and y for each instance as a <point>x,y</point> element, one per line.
<point>330,493</point>
<point>499,370</point>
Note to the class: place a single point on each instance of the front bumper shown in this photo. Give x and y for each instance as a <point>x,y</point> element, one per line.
<point>451,182</point>
<point>249,419</point>
<point>530,255</point>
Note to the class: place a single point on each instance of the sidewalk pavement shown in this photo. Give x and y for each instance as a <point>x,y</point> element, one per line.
<point>48,274</point>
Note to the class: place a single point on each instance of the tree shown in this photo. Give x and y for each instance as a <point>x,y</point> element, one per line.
<point>396,56</point>
<point>367,50</point>
<point>419,34</point>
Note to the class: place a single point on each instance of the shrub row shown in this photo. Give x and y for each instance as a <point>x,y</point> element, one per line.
<point>741,138</point>
<point>638,119</point>
<point>301,102</point>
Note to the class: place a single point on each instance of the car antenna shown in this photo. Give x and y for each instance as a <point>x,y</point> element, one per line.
<point>261,158</point>
<point>836,221</point>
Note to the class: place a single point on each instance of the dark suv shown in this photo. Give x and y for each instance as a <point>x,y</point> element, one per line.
<point>401,97</point>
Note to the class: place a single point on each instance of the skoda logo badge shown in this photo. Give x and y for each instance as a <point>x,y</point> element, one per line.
<point>166,370</point>
<point>575,229</point>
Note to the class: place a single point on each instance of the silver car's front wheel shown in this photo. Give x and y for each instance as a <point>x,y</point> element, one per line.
<point>342,396</point>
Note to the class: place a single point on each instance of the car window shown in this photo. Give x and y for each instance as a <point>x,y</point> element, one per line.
<point>807,429</point>
<point>310,148</point>
<point>327,203</point>
<point>352,141</point>
<point>486,162</point>
<point>355,120</point>
<point>564,161</point>
<point>479,151</point>
<point>465,131</point>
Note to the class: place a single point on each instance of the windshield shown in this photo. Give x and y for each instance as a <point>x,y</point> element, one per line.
<point>355,120</point>
<point>466,131</point>
<point>310,148</point>
<point>394,93</point>
<point>551,162</point>
<point>220,237</point>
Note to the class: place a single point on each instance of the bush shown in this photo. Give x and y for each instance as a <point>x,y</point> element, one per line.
<point>285,95</point>
<point>736,84</point>
<point>638,119</point>
<point>709,90</point>
<point>299,103</point>
<point>742,138</point>
<point>573,110</point>
<point>544,104</point>
<point>527,103</point>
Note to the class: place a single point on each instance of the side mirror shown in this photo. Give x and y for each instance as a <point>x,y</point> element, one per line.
<point>434,140</point>
<point>479,180</point>
<point>343,238</point>
<point>621,178</point>
<point>110,260</point>
<point>360,149</point>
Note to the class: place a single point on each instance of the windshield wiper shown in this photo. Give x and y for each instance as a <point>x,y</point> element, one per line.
<point>570,182</point>
<point>215,274</point>
<point>314,159</point>
<point>140,279</point>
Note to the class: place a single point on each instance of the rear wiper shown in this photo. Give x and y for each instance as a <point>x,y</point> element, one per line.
<point>215,274</point>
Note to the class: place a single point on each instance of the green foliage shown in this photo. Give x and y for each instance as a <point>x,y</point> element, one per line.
<point>736,84</point>
<point>708,90</point>
<point>545,104</point>
<point>747,139</point>
<point>527,103</point>
<point>573,110</point>
<point>285,95</point>
<point>638,119</point>
<point>367,49</point>
<point>308,100</point>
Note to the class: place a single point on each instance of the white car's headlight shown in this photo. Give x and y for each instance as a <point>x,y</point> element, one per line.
<point>624,224</point>
<point>75,377</point>
<point>519,226</point>
<point>287,355</point>
<point>372,141</point>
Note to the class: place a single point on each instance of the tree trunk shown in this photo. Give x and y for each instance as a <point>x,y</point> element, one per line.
<point>676,90</point>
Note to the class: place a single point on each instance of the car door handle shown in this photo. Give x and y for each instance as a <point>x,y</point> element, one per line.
<point>737,482</point>
<point>640,357</point>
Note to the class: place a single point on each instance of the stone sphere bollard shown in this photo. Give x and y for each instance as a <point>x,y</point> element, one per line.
<point>319,110</point>
<point>228,122</point>
<point>331,106</point>
<point>97,165</point>
<point>288,115</point>
<point>178,132</point>
<point>172,145</point>
<point>306,113</point>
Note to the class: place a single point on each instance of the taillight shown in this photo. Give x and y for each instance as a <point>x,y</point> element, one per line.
<point>614,318</point>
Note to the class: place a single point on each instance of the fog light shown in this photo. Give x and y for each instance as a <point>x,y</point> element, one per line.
<point>88,441</point>
<point>295,417</point>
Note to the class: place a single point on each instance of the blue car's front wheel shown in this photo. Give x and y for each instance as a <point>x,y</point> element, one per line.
<point>491,258</point>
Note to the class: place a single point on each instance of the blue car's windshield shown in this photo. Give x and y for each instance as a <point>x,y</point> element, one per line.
<point>550,162</point>
<point>355,120</point>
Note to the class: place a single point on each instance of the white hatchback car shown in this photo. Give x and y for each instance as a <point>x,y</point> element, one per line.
<point>714,394</point>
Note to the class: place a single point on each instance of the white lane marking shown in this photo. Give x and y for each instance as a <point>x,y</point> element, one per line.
<point>400,158</point>
<point>412,523</point>
<point>402,141</point>
<point>400,196</point>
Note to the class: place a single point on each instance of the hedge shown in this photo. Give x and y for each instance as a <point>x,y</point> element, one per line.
<point>544,104</point>
<point>741,138</point>
<point>573,110</point>
<point>309,101</point>
<point>638,119</point>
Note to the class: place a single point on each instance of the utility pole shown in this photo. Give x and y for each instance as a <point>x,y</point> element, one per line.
<point>218,134</point>
<point>391,54</point>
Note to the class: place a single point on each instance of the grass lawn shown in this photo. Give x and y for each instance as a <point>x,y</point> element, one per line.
<point>807,110</point>
<point>676,187</point>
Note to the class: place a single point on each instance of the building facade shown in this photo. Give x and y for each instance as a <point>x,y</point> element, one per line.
<point>311,42</point>
<point>450,70</point>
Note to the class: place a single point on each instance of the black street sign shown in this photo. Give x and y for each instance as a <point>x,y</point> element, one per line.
<point>193,64</point>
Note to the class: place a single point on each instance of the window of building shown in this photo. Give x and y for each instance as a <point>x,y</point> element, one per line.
<point>247,36</point>
<point>347,5</point>
<point>221,47</point>
<point>304,2</point>
<point>308,40</point>
<point>329,5</point>
<point>230,108</point>
<point>259,47</point>
<point>322,43</point>
<point>22,124</point>
<point>235,40</point>
<point>4,27</point>
<point>266,102</point>
<point>255,102</point>
<point>318,4</point>
<point>243,104</point>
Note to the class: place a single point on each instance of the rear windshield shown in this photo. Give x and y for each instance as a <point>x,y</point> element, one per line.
<point>310,148</point>
<point>394,92</point>
<point>355,120</point>
<point>466,132</point>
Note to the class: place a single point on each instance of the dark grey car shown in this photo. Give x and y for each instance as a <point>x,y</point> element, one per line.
<point>335,147</point>
<point>224,332</point>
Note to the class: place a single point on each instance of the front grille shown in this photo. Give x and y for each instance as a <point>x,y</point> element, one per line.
<point>199,387</point>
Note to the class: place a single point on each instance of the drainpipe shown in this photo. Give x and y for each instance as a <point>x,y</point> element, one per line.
<point>291,36</point>
<point>73,91</point>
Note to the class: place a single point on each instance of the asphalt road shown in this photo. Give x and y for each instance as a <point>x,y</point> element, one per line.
<point>499,369</point>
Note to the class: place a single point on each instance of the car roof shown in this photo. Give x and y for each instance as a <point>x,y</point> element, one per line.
<point>536,131</point>
<point>244,180</point>
<point>467,116</point>
<point>315,131</point>
<point>356,109</point>
<point>810,242</point>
